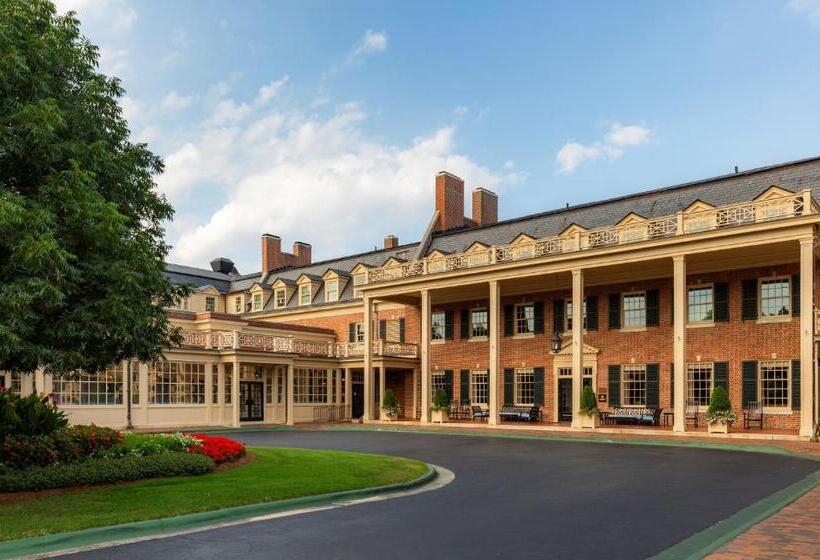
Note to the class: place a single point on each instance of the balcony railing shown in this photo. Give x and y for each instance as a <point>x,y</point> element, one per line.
<point>817,322</point>
<point>758,211</point>
<point>225,340</point>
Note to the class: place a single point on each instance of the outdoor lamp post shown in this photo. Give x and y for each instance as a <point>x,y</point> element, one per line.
<point>555,340</point>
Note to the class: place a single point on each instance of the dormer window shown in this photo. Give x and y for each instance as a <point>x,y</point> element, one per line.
<point>358,280</point>
<point>210,304</point>
<point>280,300</point>
<point>304,294</point>
<point>237,304</point>
<point>257,302</point>
<point>331,290</point>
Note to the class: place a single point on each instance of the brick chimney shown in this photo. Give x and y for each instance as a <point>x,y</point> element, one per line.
<point>391,242</point>
<point>485,207</point>
<point>273,257</point>
<point>449,201</point>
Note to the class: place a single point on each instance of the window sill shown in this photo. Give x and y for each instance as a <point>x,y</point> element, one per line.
<point>633,329</point>
<point>778,319</point>
<point>524,335</point>
<point>699,325</point>
<point>478,339</point>
<point>437,341</point>
<point>779,411</point>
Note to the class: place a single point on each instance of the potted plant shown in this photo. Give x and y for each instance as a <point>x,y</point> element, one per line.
<point>590,416</point>
<point>440,406</point>
<point>390,405</point>
<point>720,416</point>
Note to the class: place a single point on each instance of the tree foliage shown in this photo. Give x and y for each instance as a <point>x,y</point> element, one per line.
<point>81,222</point>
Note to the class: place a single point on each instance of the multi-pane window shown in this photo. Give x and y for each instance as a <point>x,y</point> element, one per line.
<point>228,383</point>
<point>524,387</point>
<point>310,386</point>
<point>135,383</point>
<point>479,387</point>
<point>210,304</point>
<point>332,290</point>
<point>634,308</point>
<point>699,383</point>
<point>257,302</point>
<point>774,383</point>
<point>304,294</point>
<point>701,304</point>
<point>775,298</point>
<point>633,385</point>
<point>524,318</point>
<point>280,388</point>
<point>176,383</point>
<point>568,315</point>
<point>280,299</point>
<point>237,304</point>
<point>439,381</point>
<point>269,387</point>
<point>214,384</point>
<point>358,280</point>
<point>359,332</point>
<point>90,389</point>
<point>478,323</point>
<point>438,325</point>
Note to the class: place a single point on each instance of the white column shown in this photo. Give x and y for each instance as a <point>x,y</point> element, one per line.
<point>220,397</point>
<point>235,394</point>
<point>289,374</point>
<point>495,354</point>
<point>348,390</point>
<point>577,344</point>
<point>807,397</point>
<point>415,393</point>
<point>381,392</point>
<point>679,341</point>
<point>368,359</point>
<point>209,388</point>
<point>425,356</point>
<point>39,381</point>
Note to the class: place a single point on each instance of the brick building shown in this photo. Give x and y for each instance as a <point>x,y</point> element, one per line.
<point>651,299</point>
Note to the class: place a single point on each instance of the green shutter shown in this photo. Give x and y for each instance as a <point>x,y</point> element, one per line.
<point>509,389</point>
<point>382,329</point>
<point>465,323</point>
<point>721,302</point>
<point>538,380</point>
<point>749,382</point>
<point>448,325</point>
<point>509,320</point>
<point>351,332</point>
<point>402,329</point>
<point>721,376</point>
<point>592,313</point>
<point>448,383</point>
<point>614,311</point>
<point>558,309</point>
<point>749,311</point>
<point>795,384</point>
<point>672,384</point>
<point>795,288</point>
<point>614,386</point>
<point>538,313</point>
<point>652,385</point>
<point>465,386</point>
<point>653,312</point>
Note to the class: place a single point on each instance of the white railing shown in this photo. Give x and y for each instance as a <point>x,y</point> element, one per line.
<point>313,347</point>
<point>266,342</point>
<point>756,211</point>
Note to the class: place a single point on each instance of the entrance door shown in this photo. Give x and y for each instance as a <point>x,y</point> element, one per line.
<point>357,403</point>
<point>565,399</point>
<point>251,401</point>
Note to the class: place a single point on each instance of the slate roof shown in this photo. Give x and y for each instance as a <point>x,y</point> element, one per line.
<point>718,191</point>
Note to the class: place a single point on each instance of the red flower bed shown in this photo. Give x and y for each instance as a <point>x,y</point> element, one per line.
<point>220,449</point>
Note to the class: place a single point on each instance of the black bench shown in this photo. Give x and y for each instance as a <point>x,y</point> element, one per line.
<point>624,415</point>
<point>519,413</point>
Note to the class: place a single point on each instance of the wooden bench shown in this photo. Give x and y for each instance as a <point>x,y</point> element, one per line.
<point>519,413</point>
<point>628,415</point>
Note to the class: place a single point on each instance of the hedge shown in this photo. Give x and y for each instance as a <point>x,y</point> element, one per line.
<point>105,471</point>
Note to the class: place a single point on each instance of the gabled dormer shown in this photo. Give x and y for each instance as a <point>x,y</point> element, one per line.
<point>774,192</point>
<point>283,290</point>
<point>335,283</point>
<point>359,274</point>
<point>208,299</point>
<point>777,202</point>
<point>478,254</point>
<point>308,287</point>
<point>259,295</point>
<point>699,216</point>
<point>632,227</point>
<point>570,238</point>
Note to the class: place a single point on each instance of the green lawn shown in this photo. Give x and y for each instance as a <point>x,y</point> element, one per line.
<point>275,474</point>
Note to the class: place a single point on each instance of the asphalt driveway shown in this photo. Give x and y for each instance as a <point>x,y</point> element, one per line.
<point>511,498</point>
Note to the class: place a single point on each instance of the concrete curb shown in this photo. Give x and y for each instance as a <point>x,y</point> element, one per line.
<point>155,527</point>
<point>707,541</point>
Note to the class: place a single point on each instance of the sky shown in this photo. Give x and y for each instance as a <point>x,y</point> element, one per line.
<point>326,122</point>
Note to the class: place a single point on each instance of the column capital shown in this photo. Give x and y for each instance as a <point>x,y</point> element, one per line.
<point>577,271</point>
<point>679,258</point>
<point>806,240</point>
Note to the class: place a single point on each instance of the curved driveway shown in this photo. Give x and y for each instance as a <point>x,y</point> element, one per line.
<point>511,498</point>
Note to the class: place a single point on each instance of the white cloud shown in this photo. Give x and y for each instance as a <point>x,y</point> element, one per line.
<point>619,136</point>
<point>176,102</point>
<point>460,111</point>
<point>179,46</point>
<point>306,177</point>
<point>114,62</point>
<point>807,8</point>
<point>132,109</point>
<point>271,90</point>
<point>371,42</point>
<point>228,111</point>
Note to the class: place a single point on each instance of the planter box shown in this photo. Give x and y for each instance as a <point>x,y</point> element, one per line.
<point>440,416</point>
<point>590,421</point>
<point>719,428</point>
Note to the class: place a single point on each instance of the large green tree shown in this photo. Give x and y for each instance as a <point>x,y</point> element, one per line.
<point>81,239</point>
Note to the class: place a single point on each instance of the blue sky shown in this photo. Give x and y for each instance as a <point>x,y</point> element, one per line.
<point>325,122</point>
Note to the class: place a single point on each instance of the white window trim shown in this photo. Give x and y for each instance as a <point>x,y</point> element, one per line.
<point>623,385</point>
<point>359,332</point>
<point>774,318</point>
<point>524,371</point>
<point>359,280</point>
<point>327,295</point>
<point>213,299</point>
<point>624,295</point>
<point>567,318</point>
<point>473,374</point>
<point>700,287</point>
<point>254,301</point>
<point>284,293</point>
<point>478,338</point>
<point>444,334</point>
<point>307,288</point>
<point>775,410</point>
<point>701,408</point>
<point>237,304</point>
<point>517,334</point>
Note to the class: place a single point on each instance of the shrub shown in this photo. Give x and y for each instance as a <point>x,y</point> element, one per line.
<point>589,403</point>
<point>21,452</point>
<point>441,401</point>
<point>105,471</point>
<point>145,445</point>
<point>220,449</point>
<point>32,415</point>
<point>86,440</point>
<point>720,407</point>
<point>390,403</point>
